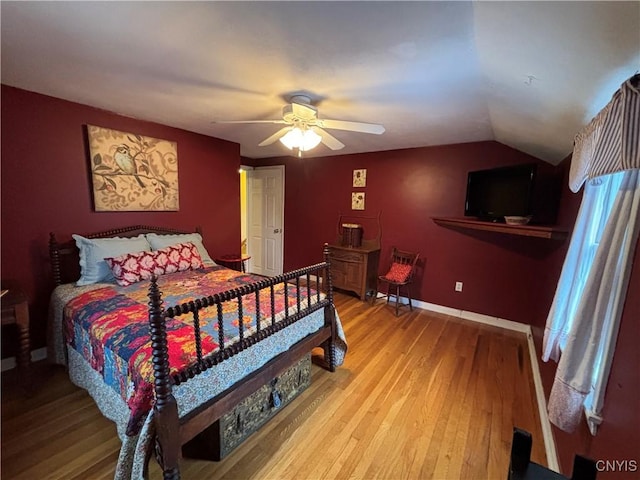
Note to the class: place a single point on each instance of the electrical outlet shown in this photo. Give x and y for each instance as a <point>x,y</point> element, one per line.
<point>458,286</point>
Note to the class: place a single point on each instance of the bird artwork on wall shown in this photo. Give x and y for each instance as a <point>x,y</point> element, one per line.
<point>126,162</point>
<point>131,172</point>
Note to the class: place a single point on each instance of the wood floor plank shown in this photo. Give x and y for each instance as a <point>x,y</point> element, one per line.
<point>420,396</point>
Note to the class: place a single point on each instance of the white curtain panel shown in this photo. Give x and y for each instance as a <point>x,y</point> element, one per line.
<point>597,202</point>
<point>587,338</point>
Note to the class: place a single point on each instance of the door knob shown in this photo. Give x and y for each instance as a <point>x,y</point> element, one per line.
<point>277,230</point>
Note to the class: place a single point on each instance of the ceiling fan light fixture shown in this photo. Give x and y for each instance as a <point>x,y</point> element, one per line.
<point>304,140</point>
<point>292,139</point>
<point>310,140</point>
<point>304,131</point>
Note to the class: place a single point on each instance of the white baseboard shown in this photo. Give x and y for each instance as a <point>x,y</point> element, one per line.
<point>36,356</point>
<point>549,441</point>
<point>473,316</point>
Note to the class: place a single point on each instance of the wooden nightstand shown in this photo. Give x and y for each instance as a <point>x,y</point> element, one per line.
<point>235,262</point>
<point>15,310</point>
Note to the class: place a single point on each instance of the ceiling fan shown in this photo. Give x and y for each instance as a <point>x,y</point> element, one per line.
<point>304,130</point>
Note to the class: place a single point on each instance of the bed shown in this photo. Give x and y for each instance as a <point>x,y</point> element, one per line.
<point>165,347</point>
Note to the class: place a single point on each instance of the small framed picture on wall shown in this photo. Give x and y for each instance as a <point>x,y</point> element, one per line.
<point>357,201</point>
<point>360,177</point>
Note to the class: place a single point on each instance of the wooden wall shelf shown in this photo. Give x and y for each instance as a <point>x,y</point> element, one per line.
<point>538,231</point>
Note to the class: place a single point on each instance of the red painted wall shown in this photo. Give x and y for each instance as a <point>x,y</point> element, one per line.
<point>503,275</point>
<point>46,188</point>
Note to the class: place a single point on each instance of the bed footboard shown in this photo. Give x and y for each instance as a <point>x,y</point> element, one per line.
<point>165,409</point>
<point>171,431</point>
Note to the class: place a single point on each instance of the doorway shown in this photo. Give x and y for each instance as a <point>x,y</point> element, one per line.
<point>262,218</point>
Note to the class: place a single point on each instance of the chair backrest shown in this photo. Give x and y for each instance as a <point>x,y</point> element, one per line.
<point>522,468</point>
<point>404,258</point>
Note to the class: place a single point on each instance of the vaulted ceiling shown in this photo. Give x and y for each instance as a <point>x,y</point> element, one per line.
<point>527,74</point>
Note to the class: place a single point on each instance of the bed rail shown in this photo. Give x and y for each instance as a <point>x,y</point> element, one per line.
<point>168,425</point>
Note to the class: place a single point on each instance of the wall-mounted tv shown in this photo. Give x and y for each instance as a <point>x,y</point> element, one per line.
<point>496,192</point>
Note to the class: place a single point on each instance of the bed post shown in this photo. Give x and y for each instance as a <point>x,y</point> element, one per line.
<point>54,255</point>
<point>329,313</point>
<point>165,408</point>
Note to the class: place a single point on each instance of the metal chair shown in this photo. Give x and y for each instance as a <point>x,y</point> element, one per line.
<point>400,274</point>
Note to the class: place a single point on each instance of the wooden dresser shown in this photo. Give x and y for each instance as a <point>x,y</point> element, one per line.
<point>355,269</point>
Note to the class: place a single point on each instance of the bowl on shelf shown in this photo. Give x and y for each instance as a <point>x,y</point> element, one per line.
<point>515,220</point>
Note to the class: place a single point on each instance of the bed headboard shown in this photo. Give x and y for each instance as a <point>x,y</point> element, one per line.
<point>65,259</point>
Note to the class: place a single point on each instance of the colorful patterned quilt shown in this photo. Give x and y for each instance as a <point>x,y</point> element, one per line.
<point>109,328</point>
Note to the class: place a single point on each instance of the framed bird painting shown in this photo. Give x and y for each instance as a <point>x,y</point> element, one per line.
<point>131,172</point>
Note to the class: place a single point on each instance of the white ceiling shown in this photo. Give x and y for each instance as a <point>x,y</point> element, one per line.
<point>527,74</point>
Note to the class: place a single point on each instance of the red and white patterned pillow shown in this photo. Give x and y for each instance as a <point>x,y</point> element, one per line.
<point>137,266</point>
<point>398,273</point>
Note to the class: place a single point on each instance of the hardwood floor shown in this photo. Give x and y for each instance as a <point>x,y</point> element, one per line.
<point>420,396</point>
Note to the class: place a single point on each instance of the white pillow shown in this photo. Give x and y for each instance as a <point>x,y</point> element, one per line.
<point>162,241</point>
<point>93,251</point>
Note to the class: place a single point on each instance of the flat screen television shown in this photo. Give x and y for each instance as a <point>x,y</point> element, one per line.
<point>496,192</point>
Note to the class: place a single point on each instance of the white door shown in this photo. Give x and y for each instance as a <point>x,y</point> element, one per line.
<point>265,218</point>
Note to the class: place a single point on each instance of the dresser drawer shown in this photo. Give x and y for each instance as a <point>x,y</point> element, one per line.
<point>346,256</point>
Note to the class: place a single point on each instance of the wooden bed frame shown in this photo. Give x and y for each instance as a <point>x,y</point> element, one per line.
<point>171,430</point>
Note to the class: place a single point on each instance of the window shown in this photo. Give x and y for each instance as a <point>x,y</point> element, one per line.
<point>583,322</point>
<point>603,191</point>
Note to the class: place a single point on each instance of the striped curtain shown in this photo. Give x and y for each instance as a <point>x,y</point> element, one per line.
<point>610,143</point>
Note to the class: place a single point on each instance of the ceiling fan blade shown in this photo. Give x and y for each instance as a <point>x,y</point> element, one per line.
<point>351,126</point>
<point>329,140</point>
<point>251,121</point>
<point>304,112</point>
<point>274,137</point>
